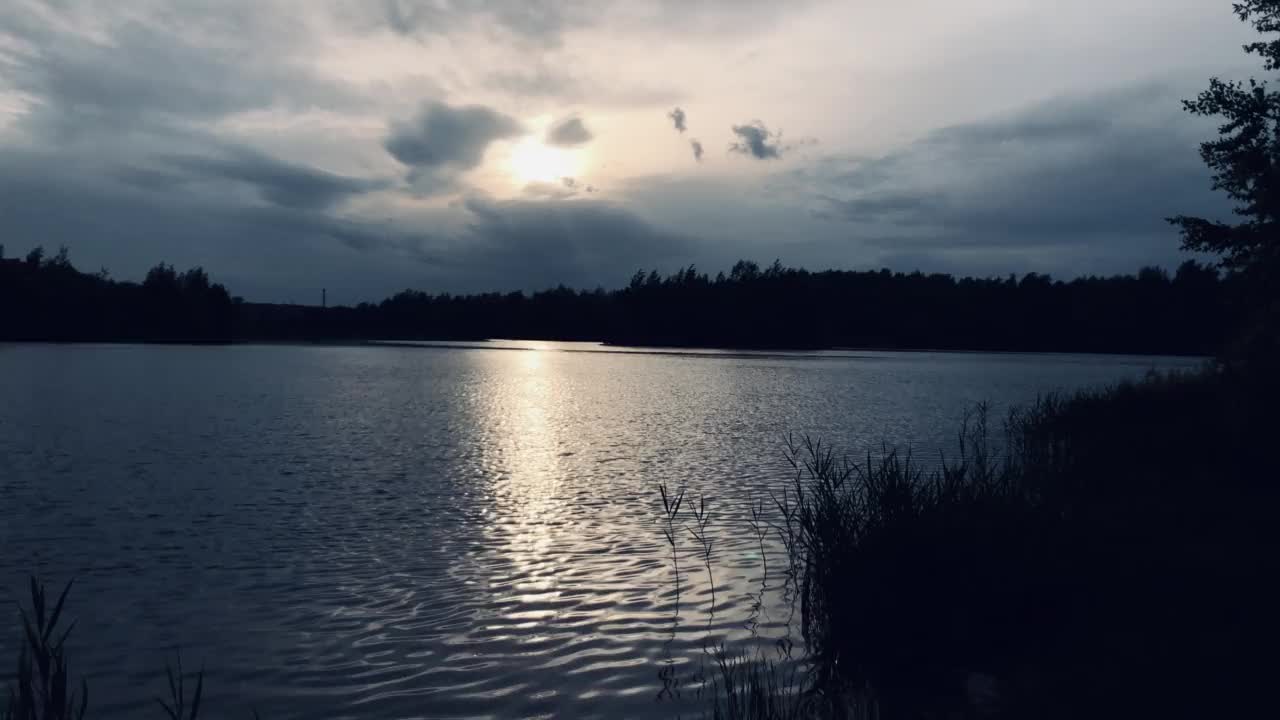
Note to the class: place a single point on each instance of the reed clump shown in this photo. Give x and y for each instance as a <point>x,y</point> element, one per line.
<point>1105,556</point>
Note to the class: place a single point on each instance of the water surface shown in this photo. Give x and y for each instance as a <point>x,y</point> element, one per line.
<point>386,532</point>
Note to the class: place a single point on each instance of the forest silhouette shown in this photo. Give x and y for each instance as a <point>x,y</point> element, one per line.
<point>1152,311</point>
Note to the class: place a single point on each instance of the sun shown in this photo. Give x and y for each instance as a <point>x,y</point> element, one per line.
<point>533,161</point>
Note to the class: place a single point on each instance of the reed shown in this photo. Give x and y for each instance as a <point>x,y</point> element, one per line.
<point>1107,547</point>
<point>699,531</point>
<point>176,707</point>
<point>671,503</point>
<point>42,688</point>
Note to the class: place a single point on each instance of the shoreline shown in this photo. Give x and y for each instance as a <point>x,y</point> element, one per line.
<point>611,348</point>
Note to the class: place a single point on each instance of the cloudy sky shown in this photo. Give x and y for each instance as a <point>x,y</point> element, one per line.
<point>369,146</point>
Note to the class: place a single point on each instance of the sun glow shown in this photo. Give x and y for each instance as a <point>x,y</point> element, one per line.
<point>532,161</point>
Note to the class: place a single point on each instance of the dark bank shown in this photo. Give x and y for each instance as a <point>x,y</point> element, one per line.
<point>1152,312</point>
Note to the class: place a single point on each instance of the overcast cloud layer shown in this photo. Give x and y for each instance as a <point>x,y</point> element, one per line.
<point>367,147</point>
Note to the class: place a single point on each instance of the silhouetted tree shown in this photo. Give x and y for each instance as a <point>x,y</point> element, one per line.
<point>777,307</point>
<point>48,299</point>
<point>1245,161</point>
<point>744,270</point>
<point>61,261</point>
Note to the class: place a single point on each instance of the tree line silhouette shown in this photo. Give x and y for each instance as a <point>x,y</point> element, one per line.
<point>47,298</point>
<point>1190,311</point>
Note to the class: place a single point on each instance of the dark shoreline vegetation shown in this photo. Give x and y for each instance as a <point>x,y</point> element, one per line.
<point>1152,312</point>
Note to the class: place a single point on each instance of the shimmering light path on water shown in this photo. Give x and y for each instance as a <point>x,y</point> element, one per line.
<point>385,532</point>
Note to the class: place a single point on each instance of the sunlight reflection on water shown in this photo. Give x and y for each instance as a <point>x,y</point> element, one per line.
<point>396,532</point>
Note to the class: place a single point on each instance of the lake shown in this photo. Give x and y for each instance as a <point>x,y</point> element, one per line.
<point>436,530</point>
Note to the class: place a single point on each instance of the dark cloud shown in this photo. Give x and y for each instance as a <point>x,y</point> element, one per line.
<point>448,137</point>
<point>263,251</point>
<point>278,182</point>
<point>568,132</point>
<point>677,119</point>
<point>286,251</point>
<point>1067,118</point>
<point>757,141</point>
<point>1085,178</point>
<point>153,74</point>
<point>697,150</point>
<point>581,243</point>
<point>573,185</point>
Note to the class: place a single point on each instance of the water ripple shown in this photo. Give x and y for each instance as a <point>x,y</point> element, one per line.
<point>395,532</point>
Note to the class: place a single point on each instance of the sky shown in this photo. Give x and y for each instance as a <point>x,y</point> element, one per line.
<point>370,146</point>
